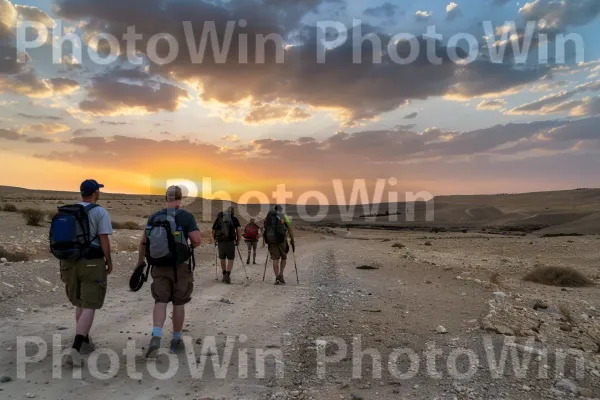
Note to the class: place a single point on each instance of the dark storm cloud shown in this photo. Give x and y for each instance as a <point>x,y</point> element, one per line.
<point>358,91</point>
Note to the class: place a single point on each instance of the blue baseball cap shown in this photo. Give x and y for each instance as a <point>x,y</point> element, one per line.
<point>89,187</point>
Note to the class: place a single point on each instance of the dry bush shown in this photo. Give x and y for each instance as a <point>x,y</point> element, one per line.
<point>558,276</point>
<point>33,216</point>
<point>13,256</point>
<point>428,243</point>
<point>129,225</point>
<point>10,208</point>
<point>566,312</point>
<point>398,245</point>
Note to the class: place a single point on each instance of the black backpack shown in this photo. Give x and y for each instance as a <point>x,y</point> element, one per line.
<point>70,234</point>
<point>225,231</point>
<point>275,228</point>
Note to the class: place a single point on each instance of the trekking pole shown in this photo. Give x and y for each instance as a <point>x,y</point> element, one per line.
<point>242,260</point>
<point>266,262</point>
<point>296,266</point>
<point>216,266</point>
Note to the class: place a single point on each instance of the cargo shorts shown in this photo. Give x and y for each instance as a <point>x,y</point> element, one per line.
<point>164,288</point>
<point>85,282</point>
<point>226,250</point>
<point>252,245</point>
<point>279,251</point>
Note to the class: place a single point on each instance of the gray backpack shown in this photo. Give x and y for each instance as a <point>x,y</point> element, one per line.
<point>225,230</point>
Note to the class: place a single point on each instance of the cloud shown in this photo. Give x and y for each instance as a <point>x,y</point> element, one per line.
<point>38,140</point>
<point>26,84</point>
<point>560,14</point>
<point>48,117</point>
<point>586,107</point>
<point>352,92</point>
<point>34,14</point>
<point>495,104</point>
<point>49,128</point>
<point>546,87</point>
<point>64,85</point>
<point>555,103</point>
<point>411,115</point>
<point>104,122</point>
<point>453,11</point>
<point>500,3</point>
<point>269,113</point>
<point>112,98</point>
<point>423,16</point>
<point>9,134</point>
<point>231,138</point>
<point>83,131</point>
<point>385,10</point>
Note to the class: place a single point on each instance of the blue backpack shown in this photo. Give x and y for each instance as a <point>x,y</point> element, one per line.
<point>70,234</point>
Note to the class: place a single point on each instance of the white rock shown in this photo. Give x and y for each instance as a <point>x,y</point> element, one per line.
<point>3,260</point>
<point>441,330</point>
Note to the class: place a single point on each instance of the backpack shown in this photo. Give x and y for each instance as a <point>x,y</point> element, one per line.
<point>251,233</point>
<point>70,234</point>
<point>166,244</point>
<point>225,231</point>
<point>275,228</point>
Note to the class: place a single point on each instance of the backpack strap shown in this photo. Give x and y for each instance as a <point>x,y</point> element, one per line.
<point>87,210</point>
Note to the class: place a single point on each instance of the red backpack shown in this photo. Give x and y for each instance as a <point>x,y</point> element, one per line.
<point>251,233</point>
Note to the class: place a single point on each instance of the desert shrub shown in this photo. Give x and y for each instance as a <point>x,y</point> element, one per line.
<point>13,256</point>
<point>495,278</point>
<point>33,216</point>
<point>130,225</point>
<point>428,243</point>
<point>566,312</point>
<point>398,245</point>
<point>552,235</point>
<point>9,208</point>
<point>558,276</point>
<point>464,230</point>
<point>386,240</point>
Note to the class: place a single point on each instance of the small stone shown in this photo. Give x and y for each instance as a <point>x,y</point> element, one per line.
<point>30,395</point>
<point>526,388</point>
<point>4,379</point>
<point>355,396</point>
<point>567,385</point>
<point>441,330</point>
<point>585,392</point>
<point>3,260</point>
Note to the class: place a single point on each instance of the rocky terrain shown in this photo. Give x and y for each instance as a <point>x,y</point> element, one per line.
<point>378,314</point>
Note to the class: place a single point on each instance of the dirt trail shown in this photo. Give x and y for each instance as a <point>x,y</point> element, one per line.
<point>399,305</point>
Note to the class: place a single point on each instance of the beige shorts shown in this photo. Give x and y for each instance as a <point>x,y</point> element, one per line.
<point>165,290</point>
<point>279,251</point>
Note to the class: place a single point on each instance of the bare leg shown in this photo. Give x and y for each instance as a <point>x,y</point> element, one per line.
<point>85,321</point>
<point>276,267</point>
<point>283,262</point>
<point>160,314</point>
<point>223,265</point>
<point>229,265</point>
<point>178,318</point>
<point>78,311</point>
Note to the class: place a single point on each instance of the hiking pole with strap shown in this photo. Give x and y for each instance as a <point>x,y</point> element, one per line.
<point>266,262</point>
<point>242,260</point>
<point>296,266</point>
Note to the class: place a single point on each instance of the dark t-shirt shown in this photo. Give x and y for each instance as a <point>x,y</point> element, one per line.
<point>184,219</point>
<point>236,224</point>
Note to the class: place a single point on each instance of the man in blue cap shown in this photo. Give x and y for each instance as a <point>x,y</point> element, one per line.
<point>86,278</point>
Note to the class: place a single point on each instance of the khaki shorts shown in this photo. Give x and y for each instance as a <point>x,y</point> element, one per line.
<point>279,251</point>
<point>165,290</point>
<point>252,245</point>
<point>85,282</point>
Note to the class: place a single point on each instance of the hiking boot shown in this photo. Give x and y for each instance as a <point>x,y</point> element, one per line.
<point>280,278</point>
<point>254,262</point>
<point>227,279</point>
<point>248,262</point>
<point>153,347</point>
<point>73,358</point>
<point>224,278</point>
<point>176,345</point>
<point>88,347</point>
<point>277,281</point>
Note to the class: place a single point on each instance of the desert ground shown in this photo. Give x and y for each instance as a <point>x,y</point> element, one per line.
<point>436,308</point>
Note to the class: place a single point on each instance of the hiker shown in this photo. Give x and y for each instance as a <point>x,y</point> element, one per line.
<point>227,232</point>
<point>251,235</point>
<point>277,226</point>
<point>79,239</point>
<point>167,245</point>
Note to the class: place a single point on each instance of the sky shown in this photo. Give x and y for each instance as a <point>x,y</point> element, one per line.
<point>136,116</point>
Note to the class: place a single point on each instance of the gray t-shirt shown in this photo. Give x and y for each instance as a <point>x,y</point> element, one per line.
<point>99,223</point>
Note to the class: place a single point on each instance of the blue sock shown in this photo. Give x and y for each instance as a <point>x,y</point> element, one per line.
<point>177,335</point>
<point>157,331</point>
